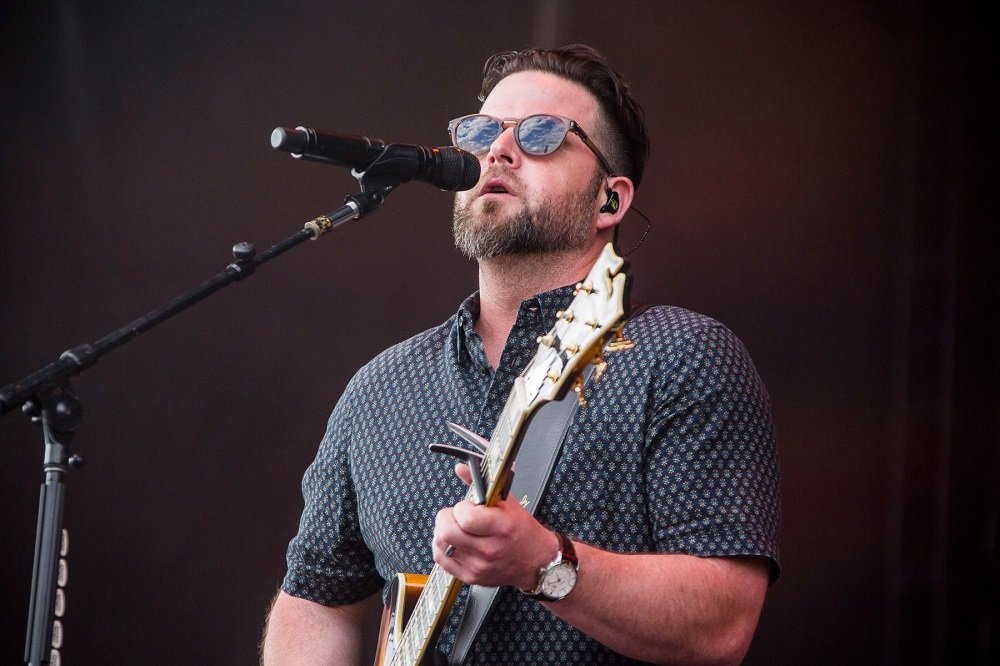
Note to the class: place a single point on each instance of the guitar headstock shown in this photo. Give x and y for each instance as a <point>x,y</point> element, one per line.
<point>576,339</point>
<point>580,331</point>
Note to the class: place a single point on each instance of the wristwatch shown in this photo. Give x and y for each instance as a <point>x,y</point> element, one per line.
<point>557,579</point>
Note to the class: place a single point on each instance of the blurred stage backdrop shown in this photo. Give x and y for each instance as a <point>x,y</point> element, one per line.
<point>817,182</point>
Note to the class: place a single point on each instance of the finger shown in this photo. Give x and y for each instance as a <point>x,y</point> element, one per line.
<point>440,544</point>
<point>472,519</point>
<point>446,527</point>
<point>462,471</point>
<point>446,555</point>
<point>445,532</point>
<point>448,532</point>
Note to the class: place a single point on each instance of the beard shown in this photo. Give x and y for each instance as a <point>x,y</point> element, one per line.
<point>558,224</point>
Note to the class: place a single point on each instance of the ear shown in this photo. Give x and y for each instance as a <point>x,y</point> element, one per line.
<point>622,188</point>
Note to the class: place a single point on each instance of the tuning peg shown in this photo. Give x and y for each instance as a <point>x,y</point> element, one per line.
<point>580,394</point>
<point>585,287</point>
<point>600,365</point>
<point>565,314</point>
<point>620,342</point>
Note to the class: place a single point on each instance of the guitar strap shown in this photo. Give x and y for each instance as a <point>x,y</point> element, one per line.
<point>534,462</point>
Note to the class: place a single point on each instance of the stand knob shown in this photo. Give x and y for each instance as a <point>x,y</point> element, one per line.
<point>32,409</point>
<point>244,250</point>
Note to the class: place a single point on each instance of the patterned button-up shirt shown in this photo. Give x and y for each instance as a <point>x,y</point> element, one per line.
<point>674,453</point>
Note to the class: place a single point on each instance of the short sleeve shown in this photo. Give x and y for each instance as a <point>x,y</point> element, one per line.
<point>328,560</point>
<point>711,469</point>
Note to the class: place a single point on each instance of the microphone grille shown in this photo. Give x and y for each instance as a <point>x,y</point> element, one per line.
<point>459,169</point>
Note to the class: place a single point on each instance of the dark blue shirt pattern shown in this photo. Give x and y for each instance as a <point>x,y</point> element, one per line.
<point>674,453</point>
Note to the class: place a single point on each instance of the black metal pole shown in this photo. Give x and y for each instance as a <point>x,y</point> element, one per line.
<point>71,362</point>
<point>59,412</point>
<point>48,399</point>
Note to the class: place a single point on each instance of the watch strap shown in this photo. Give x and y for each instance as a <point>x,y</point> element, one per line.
<point>566,555</point>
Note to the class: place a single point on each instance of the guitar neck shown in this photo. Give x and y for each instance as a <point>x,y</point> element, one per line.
<point>441,588</point>
<point>575,339</point>
<point>428,615</point>
<point>499,454</point>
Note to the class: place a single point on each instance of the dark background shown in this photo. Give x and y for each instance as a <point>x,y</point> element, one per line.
<point>818,182</point>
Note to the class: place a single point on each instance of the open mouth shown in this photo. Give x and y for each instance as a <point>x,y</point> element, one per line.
<point>495,186</point>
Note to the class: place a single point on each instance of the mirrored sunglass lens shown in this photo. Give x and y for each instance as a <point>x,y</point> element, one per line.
<point>476,134</point>
<point>540,135</point>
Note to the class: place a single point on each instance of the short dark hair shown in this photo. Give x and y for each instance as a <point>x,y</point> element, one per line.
<point>623,122</point>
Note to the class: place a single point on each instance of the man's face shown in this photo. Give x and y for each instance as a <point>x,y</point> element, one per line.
<point>526,204</point>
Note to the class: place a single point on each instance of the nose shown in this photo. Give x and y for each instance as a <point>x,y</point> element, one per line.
<point>504,149</point>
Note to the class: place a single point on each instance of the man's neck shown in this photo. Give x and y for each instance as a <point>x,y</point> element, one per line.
<point>505,282</point>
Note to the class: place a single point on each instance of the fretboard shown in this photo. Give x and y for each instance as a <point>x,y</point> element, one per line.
<point>441,587</point>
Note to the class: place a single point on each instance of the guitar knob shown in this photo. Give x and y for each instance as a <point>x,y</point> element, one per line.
<point>565,314</point>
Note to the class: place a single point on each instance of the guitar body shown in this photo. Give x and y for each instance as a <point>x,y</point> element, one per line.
<point>403,595</point>
<point>419,605</point>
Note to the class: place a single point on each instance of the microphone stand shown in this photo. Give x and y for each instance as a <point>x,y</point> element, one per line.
<point>47,398</point>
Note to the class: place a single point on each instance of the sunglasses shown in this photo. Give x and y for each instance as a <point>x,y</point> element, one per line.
<point>539,134</point>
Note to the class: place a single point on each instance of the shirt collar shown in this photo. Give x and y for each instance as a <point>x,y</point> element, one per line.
<point>535,316</point>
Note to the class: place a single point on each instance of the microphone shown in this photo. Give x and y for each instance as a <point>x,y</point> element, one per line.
<point>446,167</point>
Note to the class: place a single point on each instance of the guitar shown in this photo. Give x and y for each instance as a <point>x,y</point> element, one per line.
<point>422,603</point>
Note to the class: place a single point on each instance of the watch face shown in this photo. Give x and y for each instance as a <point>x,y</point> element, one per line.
<point>559,580</point>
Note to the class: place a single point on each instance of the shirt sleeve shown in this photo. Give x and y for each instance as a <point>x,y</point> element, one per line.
<point>328,560</point>
<point>712,465</point>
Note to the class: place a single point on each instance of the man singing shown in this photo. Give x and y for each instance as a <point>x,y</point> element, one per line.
<point>664,498</point>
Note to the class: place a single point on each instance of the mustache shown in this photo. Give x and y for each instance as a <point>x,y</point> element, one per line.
<point>500,171</point>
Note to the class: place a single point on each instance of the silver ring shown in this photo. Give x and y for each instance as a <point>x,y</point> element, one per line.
<point>450,550</point>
